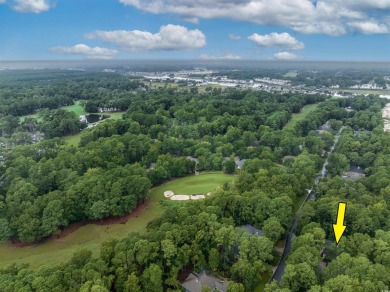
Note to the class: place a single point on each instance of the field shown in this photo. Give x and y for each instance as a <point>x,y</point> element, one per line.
<point>300,116</point>
<point>91,236</point>
<point>365,91</point>
<point>291,74</point>
<point>202,183</point>
<point>77,108</point>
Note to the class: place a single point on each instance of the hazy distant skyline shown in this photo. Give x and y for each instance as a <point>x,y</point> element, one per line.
<point>350,30</point>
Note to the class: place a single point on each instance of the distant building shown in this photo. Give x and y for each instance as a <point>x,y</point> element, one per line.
<point>195,283</point>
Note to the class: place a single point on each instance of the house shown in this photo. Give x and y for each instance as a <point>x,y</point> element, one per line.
<point>324,254</point>
<point>239,163</point>
<point>151,167</point>
<point>245,230</point>
<point>325,127</point>
<point>354,173</point>
<point>252,230</point>
<point>195,282</point>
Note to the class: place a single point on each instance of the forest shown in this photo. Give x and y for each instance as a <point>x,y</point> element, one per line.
<point>48,185</point>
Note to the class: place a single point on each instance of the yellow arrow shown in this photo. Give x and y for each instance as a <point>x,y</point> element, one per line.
<point>339,227</point>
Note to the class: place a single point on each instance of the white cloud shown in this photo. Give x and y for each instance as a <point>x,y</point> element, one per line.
<point>31,6</point>
<point>285,56</point>
<point>225,56</point>
<point>368,27</point>
<point>306,16</point>
<point>276,40</point>
<point>170,37</point>
<point>86,51</point>
<point>2,1</point>
<point>234,37</point>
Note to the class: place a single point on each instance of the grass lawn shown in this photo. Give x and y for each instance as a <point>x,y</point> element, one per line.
<point>114,116</point>
<point>264,280</point>
<point>365,91</point>
<point>291,74</point>
<point>77,108</point>
<point>91,236</point>
<point>196,184</point>
<point>307,109</point>
<point>34,116</point>
<point>73,140</point>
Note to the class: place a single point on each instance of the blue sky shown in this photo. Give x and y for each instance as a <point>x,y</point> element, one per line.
<point>353,30</point>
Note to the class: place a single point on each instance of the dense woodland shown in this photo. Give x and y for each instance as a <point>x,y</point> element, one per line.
<point>48,185</point>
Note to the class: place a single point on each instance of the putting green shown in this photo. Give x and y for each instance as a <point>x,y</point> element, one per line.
<point>91,236</point>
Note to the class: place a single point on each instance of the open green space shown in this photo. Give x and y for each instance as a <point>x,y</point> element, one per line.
<point>73,140</point>
<point>77,108</point>
<point>34,116</point>
<point>291,74</point>
<point>365,91</point>
<point>196,184</point>
<point>307,109</point>
<point>91,236</point>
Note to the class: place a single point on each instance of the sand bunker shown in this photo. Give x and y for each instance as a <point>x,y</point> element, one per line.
<point>180,197</point>
<point>168,194</point>
<point>172,196</point>
<point>197,197</point>
<point>386,117</point>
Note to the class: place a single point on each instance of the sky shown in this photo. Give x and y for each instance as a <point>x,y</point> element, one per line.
<point>327,30</point>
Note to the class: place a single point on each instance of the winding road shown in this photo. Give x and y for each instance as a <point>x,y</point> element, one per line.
<point>278,274</point>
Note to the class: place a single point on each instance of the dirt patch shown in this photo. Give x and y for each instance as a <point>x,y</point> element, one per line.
<point>74,226</point>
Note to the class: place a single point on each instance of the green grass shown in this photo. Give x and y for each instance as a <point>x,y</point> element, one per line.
<point>77,108</point>
<point>364,91</point>
<point>114,116</point>
<point>307,109</point>
<point>34,116</point>
<point>73,140</point>
<point>196,184</point>
<point>291,74</point>
<point>91,236</point>
<point>263,281</point>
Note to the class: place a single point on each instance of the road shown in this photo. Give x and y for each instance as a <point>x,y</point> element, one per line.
<point>278,274</point>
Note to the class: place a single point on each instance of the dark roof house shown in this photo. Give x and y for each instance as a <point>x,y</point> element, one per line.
<point>354,173</point>
<point>195,283</point>
<point>253,230</point>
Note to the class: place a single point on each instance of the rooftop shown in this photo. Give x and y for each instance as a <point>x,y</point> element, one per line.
<point>253,230</point>
<point>195,283</point>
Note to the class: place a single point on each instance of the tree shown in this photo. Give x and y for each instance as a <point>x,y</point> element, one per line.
<point>5,230</point>
<point>151,279</point>
<point>53,218</point>
<point>235,287</point>
<point>132,284</point>
<point>229,166</point>
<point>272,228</point>
<point>338,163</point>
<point>247,273</point>
<point>99,210</point>
<point>299,277</point>
<point>214,259</point>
